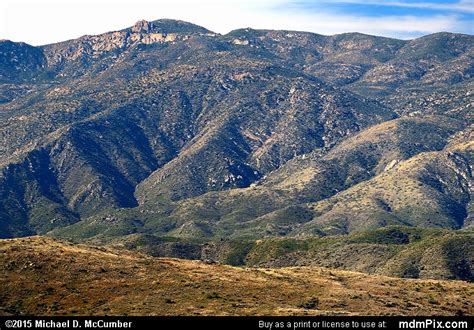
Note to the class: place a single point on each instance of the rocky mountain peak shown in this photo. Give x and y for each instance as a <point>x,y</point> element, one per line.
<point>142,26</point>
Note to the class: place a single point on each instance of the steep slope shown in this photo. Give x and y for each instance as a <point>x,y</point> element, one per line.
<point>436,59</point>
<point>430,189</point>
<point>339,59</point>
<point>283,202</point>
<point>454,101</point>
<point>19,62</point>
<point>81,280</point>
<point>21,67</point>
<point>267,126</point>
<point>370,154</point>
<point>96,162</point>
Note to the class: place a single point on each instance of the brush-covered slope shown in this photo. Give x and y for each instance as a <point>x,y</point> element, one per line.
<point>47,277</point>
<point>369,65</point>
<point>394,251</point>
<point>21,66</point>
<point>397,251</point>
<point>430,189</point>
<point>431,60</point>
<point>339,59</point>
<point>183,124</point>
<point>410,171</point>
<point>19,62</point>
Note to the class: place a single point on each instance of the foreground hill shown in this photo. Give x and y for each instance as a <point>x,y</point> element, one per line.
<point>43,276</point>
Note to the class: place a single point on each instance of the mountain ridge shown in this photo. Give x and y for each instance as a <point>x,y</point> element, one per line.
<point>167,128</point>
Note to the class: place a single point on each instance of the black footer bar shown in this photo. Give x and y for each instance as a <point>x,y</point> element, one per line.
<point>253,322</point>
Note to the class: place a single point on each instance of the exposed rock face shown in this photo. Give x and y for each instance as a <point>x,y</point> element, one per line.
<point>89,48</point>
<point>142,27</point>
<point>166,128</point>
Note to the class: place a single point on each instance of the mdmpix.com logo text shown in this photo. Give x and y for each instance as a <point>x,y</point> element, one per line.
<point>432,324</point>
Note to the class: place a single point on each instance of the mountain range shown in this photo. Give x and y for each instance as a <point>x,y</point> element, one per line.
<point>171,138</point>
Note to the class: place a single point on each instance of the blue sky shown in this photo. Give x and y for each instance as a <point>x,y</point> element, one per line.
<point>401,19</point>
<point>385,8</point>
<point>46,21</point>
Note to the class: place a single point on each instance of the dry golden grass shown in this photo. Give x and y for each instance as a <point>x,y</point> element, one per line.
<point>45,277</point>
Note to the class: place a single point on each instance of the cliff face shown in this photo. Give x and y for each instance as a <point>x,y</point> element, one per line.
<point>88,48</point>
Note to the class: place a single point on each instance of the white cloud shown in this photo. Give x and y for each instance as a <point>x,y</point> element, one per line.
<point>461,6</point>
<point>40,22</point>
<point>397,26</point>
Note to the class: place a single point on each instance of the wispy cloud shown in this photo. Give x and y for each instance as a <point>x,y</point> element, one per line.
<point>379,17</point>
<point>466,6</point>
<point>405,27</point>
